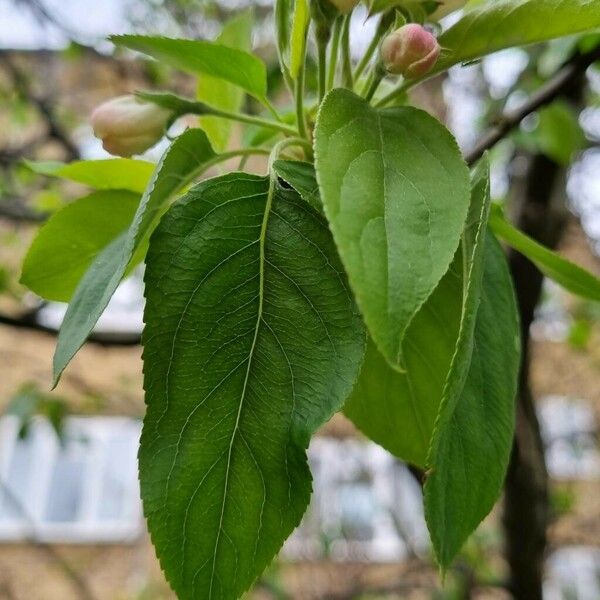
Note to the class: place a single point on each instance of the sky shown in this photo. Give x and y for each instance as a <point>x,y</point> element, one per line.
<point>91,19</point>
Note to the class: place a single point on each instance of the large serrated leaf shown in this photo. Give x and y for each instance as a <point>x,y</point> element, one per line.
<point>187,156</point>
<point>399,410</point>
<point>200,57</point>
<point>493,26</point>
<point>71,239</point>
<point>396,193</point>
<point>473,436</point>
<point>252,341</point>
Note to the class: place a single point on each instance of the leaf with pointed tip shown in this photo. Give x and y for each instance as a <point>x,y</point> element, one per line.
<point>493,26</point>
<point>567,274</point>
<point>252,341</point>
<point>396,192</point>
<point>72,238</point>
<point>109,174</point>
<point>188,155</point>
<point>398,410</point>
<point>473,435</point>
<point>200,57</point>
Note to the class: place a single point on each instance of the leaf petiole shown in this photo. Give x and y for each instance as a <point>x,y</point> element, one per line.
<point>333,53</point>
<point>182,106</point>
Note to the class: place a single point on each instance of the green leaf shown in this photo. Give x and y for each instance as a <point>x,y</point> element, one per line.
<point>573,278</point>
<point>416,10</point>
<point>110,174</point>
<point>558,134</point>
<point>473,436</point>
<point>189,154</point>
<point>298,39</point>
<point>398,410</point>
<point>203,58</point>
<point>252,342</point>
<point>396,193</point>
<point>301,176</point>
<point>283,11</point>
<point>236,33</point>
<point>72,238</point>
<point>493,26</point>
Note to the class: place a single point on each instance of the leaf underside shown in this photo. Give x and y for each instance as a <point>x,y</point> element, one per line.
<point>472,445</point>
<point>252,341</point>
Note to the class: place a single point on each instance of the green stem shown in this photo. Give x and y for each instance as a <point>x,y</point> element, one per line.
<point>279,147</point>
<point>375,80</point>
<point>202,109</point>
<point>382,28</point>
<point>243,162</point>
<point>323,34</point>
<point>333,52</point>
<point>322,62</point>
<point>282,26</point>
<point>243,152</point>
<point>272,110</point>
<point>346,60</point>
<point>300,115</point>
<point>299,92</point>
<point>403,87</point>
<point>180,106</point>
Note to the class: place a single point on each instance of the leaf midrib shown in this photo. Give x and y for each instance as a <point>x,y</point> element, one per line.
<point>259,319</point>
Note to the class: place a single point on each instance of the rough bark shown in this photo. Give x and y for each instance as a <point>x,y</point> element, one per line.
<point>526,490</point>
<point>539,209</point>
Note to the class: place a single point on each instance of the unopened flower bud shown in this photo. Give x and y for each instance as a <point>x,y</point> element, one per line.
<point>345,6</point>
<point>127,125</point>
<point>411,51</point>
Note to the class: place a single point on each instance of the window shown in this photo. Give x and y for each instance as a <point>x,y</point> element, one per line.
<point>82,488</point>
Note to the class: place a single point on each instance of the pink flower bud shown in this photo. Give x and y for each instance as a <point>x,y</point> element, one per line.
<point>345,6</point>
<point>410,51</point>
<point>127,125</point>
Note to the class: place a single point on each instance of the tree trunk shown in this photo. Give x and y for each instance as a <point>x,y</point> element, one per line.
<point>540,212</point>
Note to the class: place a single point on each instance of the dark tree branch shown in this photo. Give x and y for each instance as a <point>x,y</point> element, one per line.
<point>30,322</point>
<point>555,87</point>
<point>17,211</point>
<point>539,210</point>
<point>526,512</point>
<point>43,106</point>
